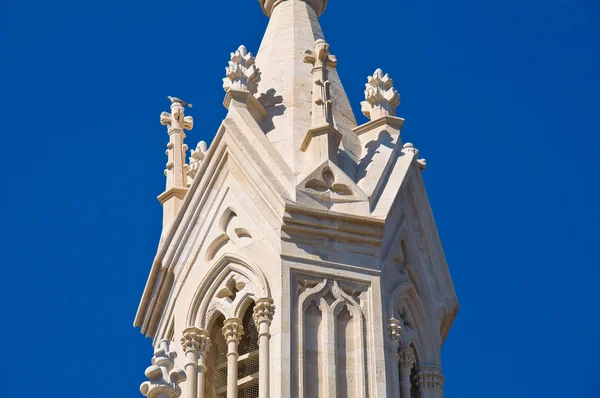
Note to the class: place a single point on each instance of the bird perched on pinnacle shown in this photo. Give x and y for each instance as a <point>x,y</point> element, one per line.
<point>176,100</point>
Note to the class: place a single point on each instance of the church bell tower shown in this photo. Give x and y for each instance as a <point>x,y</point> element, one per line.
<point>299,255</point>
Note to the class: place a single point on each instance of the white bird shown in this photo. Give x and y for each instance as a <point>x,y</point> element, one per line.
<point>179,101</point>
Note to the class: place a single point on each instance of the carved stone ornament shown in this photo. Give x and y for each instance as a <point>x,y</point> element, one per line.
<point>410,148</point>
<point>321,59</point>
<point>233,330</point>
<point>176,120</point>
<point>381,98</point>
<point>242,73</point>
<point>406,358</point>
<point>430,378</point>
<point>195,339</point>
<point>327,183</point>
<point>196,158</point>
<point>163,379</point>
<point>394,330</point>
<point>263,311</point>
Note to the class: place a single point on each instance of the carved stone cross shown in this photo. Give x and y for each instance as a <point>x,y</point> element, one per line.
<point>176,120</point>
<point>321,59</point>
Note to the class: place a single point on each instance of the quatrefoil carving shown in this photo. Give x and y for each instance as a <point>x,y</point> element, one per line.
<point>231,234</point>
<point>327,184</point>
<point>232,287</point>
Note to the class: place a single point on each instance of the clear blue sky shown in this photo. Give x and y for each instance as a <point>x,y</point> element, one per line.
<point>501,97</point>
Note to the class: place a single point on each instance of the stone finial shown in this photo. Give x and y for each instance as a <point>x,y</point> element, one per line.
<point>233,330</point>
<point>163,379</point>
<point>195,339</point>
<point>381,98</point>
<point>410,148</point>
<point>176,120</point>
<point>196,158</point>
<point>263,311</point>
<point>321,59</point>
<point>431,378</point>
<point>394,330</point>
<point>269,5</point>
<point>242,73</point>
<point>406,357</point>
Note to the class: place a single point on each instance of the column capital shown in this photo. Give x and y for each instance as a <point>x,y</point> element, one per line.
<point>406,357</point>
<point>394,330</point>
<point>430,377</point>
<point>195,340</point>
<point>263,311</point>
<point>233,330</point>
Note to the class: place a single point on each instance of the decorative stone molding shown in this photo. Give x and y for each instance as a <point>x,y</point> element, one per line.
<point>381,98</point>
<point>321,59</point>
<point>233,330</point>
<point>263,311</point>
<point>430,378</point>
<point>269,5</point>
<point>406,357</point>
<point>163,379</point>
<point>196,340</point>
<point>242,73</point>
<point>196,158</point>
<point>327,183</point>
<point>410,148</point>
<point>394,330</point>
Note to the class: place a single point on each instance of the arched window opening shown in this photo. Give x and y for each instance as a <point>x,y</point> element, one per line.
<point>248,363</point>
<point>216,361</point>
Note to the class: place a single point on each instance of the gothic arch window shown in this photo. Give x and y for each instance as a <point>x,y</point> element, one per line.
<point>232,304</point>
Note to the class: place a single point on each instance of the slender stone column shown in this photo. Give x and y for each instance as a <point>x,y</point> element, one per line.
<point>233,332</point>
<point>406,360</point>
<point>394,334</point>
<point>263,315</point>
<point>195,344</point>
<point>430,381</point>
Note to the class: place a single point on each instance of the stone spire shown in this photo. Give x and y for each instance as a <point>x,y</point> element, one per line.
<point>287,81</point>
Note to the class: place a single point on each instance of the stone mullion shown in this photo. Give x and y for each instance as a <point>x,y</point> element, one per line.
<point>232,331</point>
<point>329,370</point>
<point>394,334</point>
<point>361,359</point>
<point>263,315</point>
<point>406,360</point>
<point>195,343</point>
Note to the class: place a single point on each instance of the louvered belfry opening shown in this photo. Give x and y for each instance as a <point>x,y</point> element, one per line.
<point>216,373</point>
<point>248,359</point>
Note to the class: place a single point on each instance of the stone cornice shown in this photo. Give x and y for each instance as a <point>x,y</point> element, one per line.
<point>393,121</point>
<point>345,227</point>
